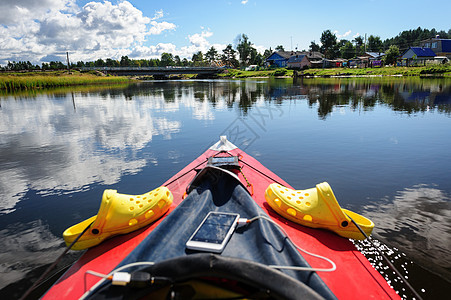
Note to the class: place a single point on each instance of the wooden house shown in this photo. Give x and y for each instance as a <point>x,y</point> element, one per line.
<point>441,47</point>
<point>279,59</point>
<point>298,62</point>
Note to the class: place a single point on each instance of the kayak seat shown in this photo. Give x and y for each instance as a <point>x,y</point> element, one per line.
<point>119,214</point>
<point>317,208</point>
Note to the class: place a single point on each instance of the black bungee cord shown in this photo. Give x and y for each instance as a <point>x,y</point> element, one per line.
<point>52,266</point>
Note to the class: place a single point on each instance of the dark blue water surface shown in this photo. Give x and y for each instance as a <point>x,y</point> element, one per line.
<point>384,145</point>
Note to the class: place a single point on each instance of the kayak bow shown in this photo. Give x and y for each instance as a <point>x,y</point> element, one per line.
<point>226,179</point>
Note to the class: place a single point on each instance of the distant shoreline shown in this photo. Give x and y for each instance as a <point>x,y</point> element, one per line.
<point>10,82</point>
<point>20,81</point>
<point>426,71</point>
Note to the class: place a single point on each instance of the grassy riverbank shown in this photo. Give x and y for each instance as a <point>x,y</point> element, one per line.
<point>439,70</point>
<point>38,80</point>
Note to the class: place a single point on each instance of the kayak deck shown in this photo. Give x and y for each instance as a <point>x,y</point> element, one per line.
<point>354,277</point>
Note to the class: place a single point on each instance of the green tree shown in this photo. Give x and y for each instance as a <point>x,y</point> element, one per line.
<point>177,61</point>
<point>198,59</point>
<point>391,55</point>
<point>229,56</point>
<point>125,61</point>
<point>359,45</point>
<point>99,63</point>
<point>211,54</point>
<point>256,58</point>
<point>347,51</point>
<point>244,48</point>
<point>167,60</point>
<point>111,63</point>
<point>154,63</point>
<point>314,47</point>
<point>374,44</point>
<point>328,44</point>
<point>267,53</point>
<point>279,48</point>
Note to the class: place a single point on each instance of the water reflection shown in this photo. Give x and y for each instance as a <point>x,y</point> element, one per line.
<point>407,95</point>
<point>57,148</point>
<point>46,146</point>
<point>418,222</point>
<point>20,243</point>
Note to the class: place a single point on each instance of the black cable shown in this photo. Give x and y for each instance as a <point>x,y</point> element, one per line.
<point>47,271</point>
<point>269,177</point>
<point>386,259</point>
<point>172,181</point>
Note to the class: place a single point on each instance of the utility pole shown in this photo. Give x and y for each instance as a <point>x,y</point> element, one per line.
<point>365,42</point>
<point>68,64</point>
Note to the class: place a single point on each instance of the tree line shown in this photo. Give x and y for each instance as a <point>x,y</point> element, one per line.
<point>245,54</point>
<point>333,48</point>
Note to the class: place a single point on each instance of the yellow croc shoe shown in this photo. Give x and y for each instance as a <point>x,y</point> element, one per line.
<point>317,208</point>
<point>119,214</point>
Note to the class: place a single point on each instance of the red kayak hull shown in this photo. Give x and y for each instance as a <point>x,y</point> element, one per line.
<point>354,277</point>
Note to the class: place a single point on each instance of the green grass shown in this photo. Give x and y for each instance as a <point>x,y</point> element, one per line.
<point>233,73</point>
<point>441,70</point>
<point>385,71</point>
<point>39,80</point>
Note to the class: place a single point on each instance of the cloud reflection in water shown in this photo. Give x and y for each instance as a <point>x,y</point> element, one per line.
<point>418,223</point>
<point>49,147</point>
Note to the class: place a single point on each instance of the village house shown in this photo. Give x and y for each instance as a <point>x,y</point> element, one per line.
<point>441,47</point>
<point>298,62</point>
<point>417,56</point>
<point>279,59</point>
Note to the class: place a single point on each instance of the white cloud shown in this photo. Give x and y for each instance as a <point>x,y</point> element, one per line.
<point>13,11</point>
<point>342,36</point>
<point>158,15</point>
<point>96,30</point>
<point>200,39</point>
<point>70,162</point>
<point>41,31</point>
<point>158,28</point>
<point>244,2</point>
<point>147,52</point>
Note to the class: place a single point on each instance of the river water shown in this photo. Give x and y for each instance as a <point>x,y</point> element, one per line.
<point>383,144</point>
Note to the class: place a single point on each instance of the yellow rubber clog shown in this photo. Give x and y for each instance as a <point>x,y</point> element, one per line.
<point>317,208</point>
<point>119,214</point>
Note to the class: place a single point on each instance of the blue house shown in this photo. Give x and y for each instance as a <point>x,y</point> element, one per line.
<point>279,59</point>
<point>441,47</point>
<point>417,55</point>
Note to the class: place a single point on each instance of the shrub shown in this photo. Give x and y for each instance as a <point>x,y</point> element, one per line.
<point>436,70</point>
<point>280,72</point>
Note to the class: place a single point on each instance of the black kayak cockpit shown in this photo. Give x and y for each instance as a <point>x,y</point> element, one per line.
<point>207,276</point>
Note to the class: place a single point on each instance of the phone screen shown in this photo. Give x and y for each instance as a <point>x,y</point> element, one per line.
<point>215,228</point>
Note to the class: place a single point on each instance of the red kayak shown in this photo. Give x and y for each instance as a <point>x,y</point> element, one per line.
<point>224,179</point>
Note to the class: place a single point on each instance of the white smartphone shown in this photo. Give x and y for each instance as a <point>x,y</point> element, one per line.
<point>214,232</point>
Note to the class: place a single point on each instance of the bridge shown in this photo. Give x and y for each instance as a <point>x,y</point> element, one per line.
<point>156,71</point>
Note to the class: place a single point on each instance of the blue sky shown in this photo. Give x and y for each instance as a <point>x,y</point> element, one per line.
<point>44,30</point>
